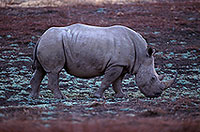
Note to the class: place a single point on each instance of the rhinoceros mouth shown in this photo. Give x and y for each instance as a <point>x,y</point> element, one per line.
<point>149,94</point>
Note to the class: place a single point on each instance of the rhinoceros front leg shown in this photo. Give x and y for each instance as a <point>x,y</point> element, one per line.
<point>53,84</point>
<point>117,87</point>
<point>35,82</point>
<point>110,76</point>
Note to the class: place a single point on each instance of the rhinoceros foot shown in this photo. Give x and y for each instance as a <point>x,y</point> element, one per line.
<point>33,95</point>
<point>120,95</point>
<point>59,96</point>
<point>98,95</point>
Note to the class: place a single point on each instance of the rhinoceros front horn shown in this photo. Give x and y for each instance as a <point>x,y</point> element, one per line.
<point>168,83</point>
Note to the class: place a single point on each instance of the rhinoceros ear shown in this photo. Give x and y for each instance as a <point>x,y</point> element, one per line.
<point>150,51</point>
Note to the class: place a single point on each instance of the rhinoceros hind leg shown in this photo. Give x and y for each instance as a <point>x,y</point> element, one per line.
<point>110,76</point>
<point>117,87</point>
<point>53,84</point>
<point>35,82</point>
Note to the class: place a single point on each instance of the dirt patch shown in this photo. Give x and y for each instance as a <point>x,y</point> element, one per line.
<point>172,28</point>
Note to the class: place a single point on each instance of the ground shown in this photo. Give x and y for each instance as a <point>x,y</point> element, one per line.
<point>171,27</point>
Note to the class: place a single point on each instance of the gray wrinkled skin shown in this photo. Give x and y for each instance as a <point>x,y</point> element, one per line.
<point>89,51</point>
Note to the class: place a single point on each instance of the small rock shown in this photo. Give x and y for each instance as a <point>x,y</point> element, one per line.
<point>120,13</point>
<point>33,37</point>
<point>156,32</point>
<point>169,65</point>
<point>8,36</point>
<point>183,43</point>
<point>125,109</point>
<point>95,104</point>
<point>191,19</point>
<point>101,10</point>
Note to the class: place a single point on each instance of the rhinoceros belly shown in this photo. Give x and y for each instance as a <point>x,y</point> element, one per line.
<point>83,70</point>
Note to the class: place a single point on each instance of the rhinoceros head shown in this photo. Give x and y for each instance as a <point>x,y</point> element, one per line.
<point>148,81</point>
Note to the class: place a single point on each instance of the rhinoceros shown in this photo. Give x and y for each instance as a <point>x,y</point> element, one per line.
<point>88,51</point>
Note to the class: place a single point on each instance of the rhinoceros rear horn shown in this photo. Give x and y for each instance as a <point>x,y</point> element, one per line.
<point>170,82</point>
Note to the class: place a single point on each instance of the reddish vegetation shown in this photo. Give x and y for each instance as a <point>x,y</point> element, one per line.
<point>125,124</point>
<point>173,21</point>
<point>99,125</point>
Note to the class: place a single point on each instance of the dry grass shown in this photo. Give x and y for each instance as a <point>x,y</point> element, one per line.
<point>42,3</point>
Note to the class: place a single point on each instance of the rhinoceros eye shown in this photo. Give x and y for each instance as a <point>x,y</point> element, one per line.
<point>153,79</point>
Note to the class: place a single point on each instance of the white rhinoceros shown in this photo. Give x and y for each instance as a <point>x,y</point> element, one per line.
<point>89,51</point>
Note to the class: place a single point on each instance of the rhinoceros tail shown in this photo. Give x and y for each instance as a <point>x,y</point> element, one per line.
<point>35,56</point>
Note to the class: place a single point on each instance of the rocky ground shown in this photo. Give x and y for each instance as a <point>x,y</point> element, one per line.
<point>171,27</point>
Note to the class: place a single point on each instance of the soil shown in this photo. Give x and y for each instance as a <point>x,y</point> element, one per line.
<point>171,27</point>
